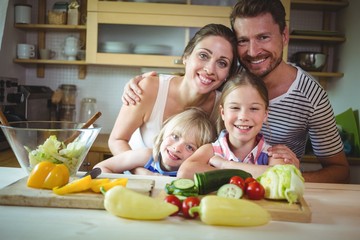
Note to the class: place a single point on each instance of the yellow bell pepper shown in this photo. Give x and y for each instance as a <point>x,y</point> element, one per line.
<point>126,203</point>
<point>97,183</point>
<point>113,183</point>
<point>215,210</point>
<point>75,186</point>
<point>48,175</point>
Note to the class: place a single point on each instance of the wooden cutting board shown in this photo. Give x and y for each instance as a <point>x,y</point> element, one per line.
<point>280,210</point>
<point>19,194</point>
<point>283,211</point>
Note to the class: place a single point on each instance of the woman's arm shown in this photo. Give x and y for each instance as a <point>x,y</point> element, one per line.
<point>198,162</point>
<point>132,117</point>
<point>125,161</point>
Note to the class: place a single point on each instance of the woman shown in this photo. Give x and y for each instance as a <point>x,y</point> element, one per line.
<point>209,58</point>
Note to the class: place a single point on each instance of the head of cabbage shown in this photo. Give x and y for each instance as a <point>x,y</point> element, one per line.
<point>283,182</point>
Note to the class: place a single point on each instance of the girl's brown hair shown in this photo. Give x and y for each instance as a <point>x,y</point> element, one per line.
<point>241,79</point>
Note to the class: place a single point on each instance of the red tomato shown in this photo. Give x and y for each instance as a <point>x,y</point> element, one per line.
<point>255,191</point>
<point>188,203</point>
<point>238,181</point>
<point>174,200</point>
<point>249,180</point>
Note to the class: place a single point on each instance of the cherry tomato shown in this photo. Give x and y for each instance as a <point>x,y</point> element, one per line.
<point>174,200</point>
<point>249,180</point>
<point>255,191</point>
<point>188,203</point>
<point>238,181</point>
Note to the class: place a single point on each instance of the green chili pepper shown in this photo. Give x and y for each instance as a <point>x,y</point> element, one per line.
<point>215,210</point>
<point>123,202</point>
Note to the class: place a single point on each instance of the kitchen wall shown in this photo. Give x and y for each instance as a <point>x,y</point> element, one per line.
<point>106,83</point>
<point>344,92</point>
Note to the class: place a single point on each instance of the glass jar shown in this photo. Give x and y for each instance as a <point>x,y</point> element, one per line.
<point>68,94</point>
<point>87,109</point>
<point>67,113</point>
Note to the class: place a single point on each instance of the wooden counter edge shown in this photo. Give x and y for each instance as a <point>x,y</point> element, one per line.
<point>353,161</point>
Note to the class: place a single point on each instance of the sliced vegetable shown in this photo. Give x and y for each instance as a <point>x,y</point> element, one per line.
<point>183,183</point>
<point>215,210</point>
<point>123,202</point>
<point>113,183</point>
<point>230,191</point>
<point>283,182</point>
<point>188,203</point>
<point>211,181</point>
<point>75,186</point>
<point>55,151</point>
<point>97,183</point>
<point>48,175</point>
<point>182,187</point>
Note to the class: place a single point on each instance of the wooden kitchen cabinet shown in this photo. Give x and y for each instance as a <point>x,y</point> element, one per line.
<point>42,28</point>
<point>326,39</point>
<point>98,152</point>
<point>92,159</point>
<point>135,15</point>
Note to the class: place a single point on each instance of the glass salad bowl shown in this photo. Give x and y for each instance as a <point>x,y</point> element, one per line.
<point>55,141</point>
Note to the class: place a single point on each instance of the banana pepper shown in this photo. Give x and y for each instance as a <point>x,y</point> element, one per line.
<point>48,175</point>
<point>215,210</point>
<point>126,203</point>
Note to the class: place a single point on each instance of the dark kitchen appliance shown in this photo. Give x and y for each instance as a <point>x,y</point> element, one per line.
<point>37,103</point>
<point>23,103</point>
<point>10,97</point>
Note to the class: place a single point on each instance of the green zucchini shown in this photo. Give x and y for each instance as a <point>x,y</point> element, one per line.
<point>207,182</point>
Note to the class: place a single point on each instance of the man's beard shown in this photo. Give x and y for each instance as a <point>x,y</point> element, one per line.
<point>267,71</point>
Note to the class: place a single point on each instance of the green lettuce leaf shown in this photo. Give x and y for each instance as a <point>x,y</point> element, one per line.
<point>283,182</point>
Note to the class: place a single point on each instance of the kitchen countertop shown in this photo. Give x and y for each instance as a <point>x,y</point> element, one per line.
<point>101,145</point>
<point>335,215</point>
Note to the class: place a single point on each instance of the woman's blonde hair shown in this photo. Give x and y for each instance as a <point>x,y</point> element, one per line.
<point>191,121</point>
<point>241,79</point>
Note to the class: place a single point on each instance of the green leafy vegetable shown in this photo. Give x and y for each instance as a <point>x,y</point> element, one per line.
<point>55,151</point>
<point>283,182</point>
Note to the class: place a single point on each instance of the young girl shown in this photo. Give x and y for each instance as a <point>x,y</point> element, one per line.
<point>178,139</point>
<point>243,108</point>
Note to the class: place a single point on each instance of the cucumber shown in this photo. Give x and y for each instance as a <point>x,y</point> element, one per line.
<point>211,181</point>
<point>230,190</point>
<point>183,183</point>
<point>182,187</point>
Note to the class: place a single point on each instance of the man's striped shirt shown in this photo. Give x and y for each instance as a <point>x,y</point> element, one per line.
<point>303,111</point>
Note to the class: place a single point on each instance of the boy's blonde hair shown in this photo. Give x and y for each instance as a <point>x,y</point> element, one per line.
<point>193,120</point>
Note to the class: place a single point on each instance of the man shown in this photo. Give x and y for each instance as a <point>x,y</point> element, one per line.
<point>299,107</point>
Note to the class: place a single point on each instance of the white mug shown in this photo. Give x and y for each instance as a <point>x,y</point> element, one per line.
<point>22,13</point>
<point>46,53</point>
<point>25,51</point>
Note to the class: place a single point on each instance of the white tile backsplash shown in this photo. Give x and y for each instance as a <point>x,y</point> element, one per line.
<point>103,83</point>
